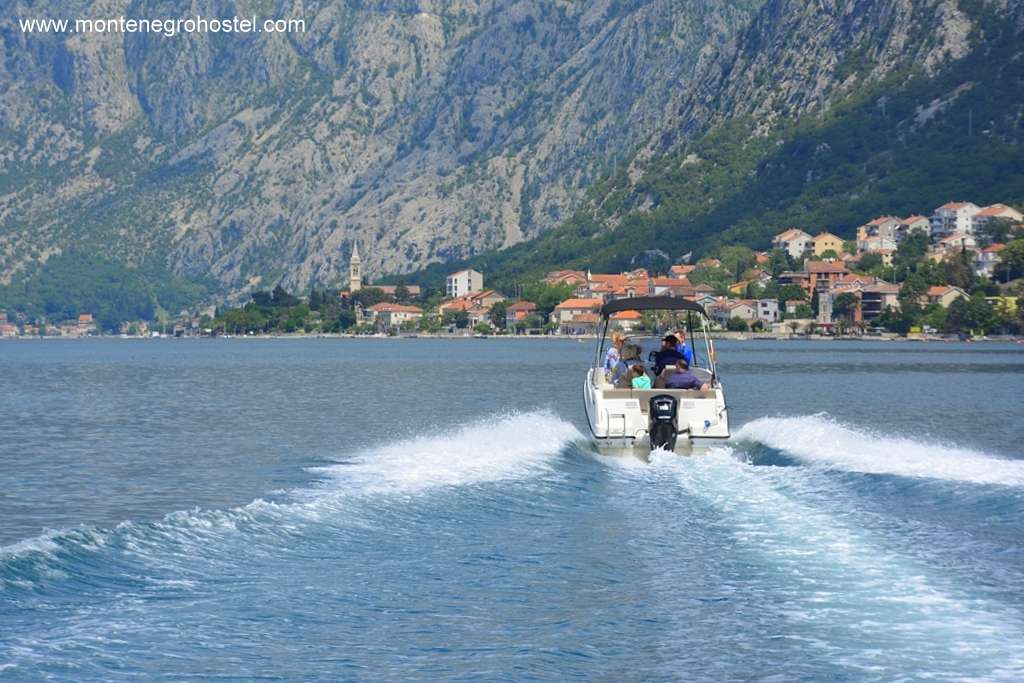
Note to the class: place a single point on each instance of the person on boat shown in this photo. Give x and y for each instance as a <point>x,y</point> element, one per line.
<point>640,378</point>
<point>684,348</point>
<point>614,366</point>
<point>668,355</point>
<point>682,378</point>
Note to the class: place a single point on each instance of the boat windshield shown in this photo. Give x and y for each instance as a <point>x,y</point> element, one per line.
<point>653,325</point>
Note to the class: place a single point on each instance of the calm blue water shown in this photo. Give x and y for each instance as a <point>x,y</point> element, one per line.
<point>411,509</point>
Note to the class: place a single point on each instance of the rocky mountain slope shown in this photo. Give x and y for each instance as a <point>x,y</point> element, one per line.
<point>822,115</point>
<point>433,130</point>
<point>426,130</point>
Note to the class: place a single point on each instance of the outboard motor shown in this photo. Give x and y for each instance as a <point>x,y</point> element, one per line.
<point>662,427</point>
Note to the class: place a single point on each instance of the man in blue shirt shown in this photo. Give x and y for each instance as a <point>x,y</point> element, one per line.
<point>683,348</point>
<point>682,378</point>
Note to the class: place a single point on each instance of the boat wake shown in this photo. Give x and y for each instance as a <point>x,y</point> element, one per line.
<point>501,448</point>
<point>822,441</point>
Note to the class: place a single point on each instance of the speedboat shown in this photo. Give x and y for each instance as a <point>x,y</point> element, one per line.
<point>637,421</point>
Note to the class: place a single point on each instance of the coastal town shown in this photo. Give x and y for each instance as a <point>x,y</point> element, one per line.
<point>956,271</point>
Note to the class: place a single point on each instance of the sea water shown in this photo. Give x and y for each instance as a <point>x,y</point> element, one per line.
<point>324,510</point>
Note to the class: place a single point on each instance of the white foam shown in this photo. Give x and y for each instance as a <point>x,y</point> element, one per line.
<point>507,447</point>
<point>820,439</point>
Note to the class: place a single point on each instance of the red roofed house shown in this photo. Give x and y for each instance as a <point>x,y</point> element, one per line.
<point>389,316</point>
<point>681,270</point>
<point>944,295</point>
<point>670,286</point>
<point>821,274</point>
<point>561,277</point>
<point>627,321</point>
<point>996,211</point>
<point>577,316</point>
<point>517,312</point>
<point>954,218</point>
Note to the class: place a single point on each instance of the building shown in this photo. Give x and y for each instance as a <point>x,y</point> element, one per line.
<point>953,218</point>
<point>768,311</point>
<point>911,223</point>
<point>627,321</point>
<point>566,311</point>
<point>826,241</point>
<point>582,323</point>
<point>681,270</point>
<point>821,274</point>
<point>518,312</point>
<point>355,270</point>
<point>793,241</point>
<point>994,211</point>
<point>987,260</point>
<point>462,283</point>
<point>563,277</point>
<point>390,316</point>
<point>944,295</point>
<point>882,228</point>
<point>875,298</point>
<point>670,286</point>
<point>414,290</point>
<point>724,309</point>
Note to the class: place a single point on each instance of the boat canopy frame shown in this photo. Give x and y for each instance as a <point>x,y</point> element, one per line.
<point>659,303</point>
<point>651,303</point>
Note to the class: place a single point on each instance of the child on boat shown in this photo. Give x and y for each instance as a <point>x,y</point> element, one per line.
<point>640,378</point>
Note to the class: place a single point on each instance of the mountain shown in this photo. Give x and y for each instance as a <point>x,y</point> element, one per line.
<point>511,135</point>
<point>425,130</point>
<point>823,115</point>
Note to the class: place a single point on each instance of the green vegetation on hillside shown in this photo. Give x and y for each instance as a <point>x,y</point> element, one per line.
<point>876,152</point>
<point>77,282</point>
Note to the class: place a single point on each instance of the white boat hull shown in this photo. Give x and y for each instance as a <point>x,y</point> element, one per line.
<point>619,419</point>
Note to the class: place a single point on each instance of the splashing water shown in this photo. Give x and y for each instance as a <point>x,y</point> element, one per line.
<point>820,440</point>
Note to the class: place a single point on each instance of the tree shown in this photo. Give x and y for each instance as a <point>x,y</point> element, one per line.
<point>828,254</point>
<point>368,296</point>
<point>736,259</point>
<point>845,305</point>
<point>402,294</point>
<point>316,299</point>
<point>911,250</point>
<point>869,261</point>
<point>996,230</point>
<point>497,314</point>
<point>482,328</point>
<point>1011,261</point>
<point>803,311</point>
<point>736,325</point>
<point>530,322</point>
<point>459,319</point>
<point>778,262</point>
<point>282,299</point>
<point>959,270</point>
<point>791,293</point>
<point>547,297</point>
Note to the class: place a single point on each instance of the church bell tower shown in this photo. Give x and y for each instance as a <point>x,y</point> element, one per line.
<point>355,270</point>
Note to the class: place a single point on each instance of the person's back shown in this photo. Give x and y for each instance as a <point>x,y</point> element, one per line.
<point>682,378</point>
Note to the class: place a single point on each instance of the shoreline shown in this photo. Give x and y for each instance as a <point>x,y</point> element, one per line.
<point>719,336</point>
